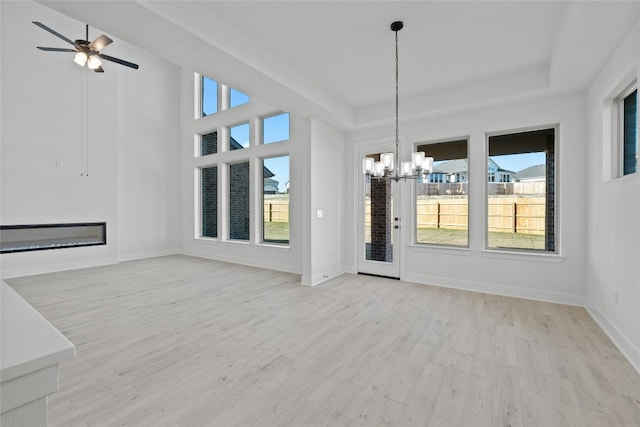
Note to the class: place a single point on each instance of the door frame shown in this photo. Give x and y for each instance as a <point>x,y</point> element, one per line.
<point>378,268</point>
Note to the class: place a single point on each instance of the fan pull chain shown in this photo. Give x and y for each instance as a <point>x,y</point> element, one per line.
<point>84,125</point>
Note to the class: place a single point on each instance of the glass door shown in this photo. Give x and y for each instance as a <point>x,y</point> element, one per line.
<point>379,225</point>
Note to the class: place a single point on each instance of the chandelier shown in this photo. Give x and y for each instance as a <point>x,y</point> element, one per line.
<point>387,169</point>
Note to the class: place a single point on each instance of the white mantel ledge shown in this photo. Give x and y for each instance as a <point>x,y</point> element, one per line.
<point>30,351</point>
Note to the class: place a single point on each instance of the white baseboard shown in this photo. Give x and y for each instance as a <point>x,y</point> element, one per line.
<point>150,254</point>
<point>53,268</point>
<point>244,261</point>
<point>320,278</point>
<point>495,289</point>
<point>619,339</point>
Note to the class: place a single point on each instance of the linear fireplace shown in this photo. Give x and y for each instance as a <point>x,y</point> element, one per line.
<point>37,237</point>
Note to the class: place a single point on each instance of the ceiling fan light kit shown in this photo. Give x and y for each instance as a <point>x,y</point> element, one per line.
<point>86,52</point>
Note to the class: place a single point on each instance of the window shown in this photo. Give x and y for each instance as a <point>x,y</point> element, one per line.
<point>209,201</point>
<point>275,128</point>
<point>629,140</point>
<point>239,137</point>
<point>239,211</point>
<point>521,203</point>
<point>209,96</point>
<point>209,143</point>
<point>442,201</point>
<point>237,98</point>
<point>275,198</point>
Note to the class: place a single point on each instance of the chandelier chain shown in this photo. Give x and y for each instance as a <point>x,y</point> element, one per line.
<point>397,109</point>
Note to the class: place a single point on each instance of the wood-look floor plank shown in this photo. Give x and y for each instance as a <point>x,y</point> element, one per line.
<point>183,341</point>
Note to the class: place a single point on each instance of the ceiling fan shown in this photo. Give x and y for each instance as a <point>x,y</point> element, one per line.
<point>86,52</point>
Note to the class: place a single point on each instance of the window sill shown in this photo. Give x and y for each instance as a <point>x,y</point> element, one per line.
<point>523,256</point>
<point>270,246</point>
<point>440,249</point>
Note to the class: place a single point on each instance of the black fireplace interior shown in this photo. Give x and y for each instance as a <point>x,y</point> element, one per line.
<point>37,237</point>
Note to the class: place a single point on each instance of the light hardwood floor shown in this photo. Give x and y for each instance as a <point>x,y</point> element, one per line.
<point>193,342</point>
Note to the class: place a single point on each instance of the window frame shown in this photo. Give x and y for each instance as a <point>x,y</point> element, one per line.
<point>556,195</point>
<point>618,127</point>
<point>199,107</point>
<point>261,240</point>
<point>441,179</point>
<point>199,232</point>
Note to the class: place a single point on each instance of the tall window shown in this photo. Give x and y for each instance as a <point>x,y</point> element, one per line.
<point>237,155</point>
<point>521,204</point>
<point>442,200</point>
<point>208,96</point>
<point>629,106</point>
<point>239,211</point>
<point>275,198</point>
<point>209,201</point>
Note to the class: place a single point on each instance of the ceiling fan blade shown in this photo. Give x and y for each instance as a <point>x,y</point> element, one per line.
<point>56,49</point>
<point>118,61</point>
<point>99,70</point>
<point>55,33</point>
<point>100,43</point>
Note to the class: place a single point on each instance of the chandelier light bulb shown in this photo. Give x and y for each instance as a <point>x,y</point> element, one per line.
<point>367,165</point>
<point>405,169</point>
<point>427,164</point>
<point>387,161</point>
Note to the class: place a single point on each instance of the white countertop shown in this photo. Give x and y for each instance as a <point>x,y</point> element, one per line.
<point>28,342</point>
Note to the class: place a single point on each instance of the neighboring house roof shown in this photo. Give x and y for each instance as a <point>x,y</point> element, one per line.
<point>453,166</point>
<point>462,166</point>
<point>532,172</point>
<point>266,173</point>
<point>271,181</point>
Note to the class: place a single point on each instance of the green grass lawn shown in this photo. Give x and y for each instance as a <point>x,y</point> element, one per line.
<point>276,232</point>
<point>444,236</point>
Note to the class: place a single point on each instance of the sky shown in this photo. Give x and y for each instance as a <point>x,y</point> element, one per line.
<point>516,162</point>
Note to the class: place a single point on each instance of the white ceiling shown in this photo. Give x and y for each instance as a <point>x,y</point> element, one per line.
<point>335,59</point>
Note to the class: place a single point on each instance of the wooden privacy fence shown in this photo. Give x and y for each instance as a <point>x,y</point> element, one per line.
<point>524,215</point>
<point>276,210</point>
<point>510,214</point>
<point>507,214</point>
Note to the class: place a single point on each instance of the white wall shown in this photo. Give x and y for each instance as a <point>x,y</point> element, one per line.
<point>148,167</point>
<point>41,126</point>
<point>614,209</point>
<point>326,188</point>
<point>554,278</point>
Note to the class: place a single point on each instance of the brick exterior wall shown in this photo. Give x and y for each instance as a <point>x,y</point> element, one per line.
<point>239,201</point>
<point>381,248</point>
<point>550,232</point>
<point>209,144</point>
<point>209,200</point>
